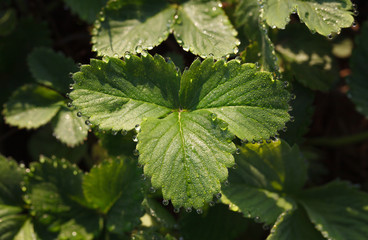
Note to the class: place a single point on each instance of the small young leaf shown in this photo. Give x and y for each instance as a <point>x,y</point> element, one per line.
<point>294,224</point>
<point>11,176</point>
<point>308,57</point>
<point>51,69</point>
<point>32,106</point>
<point>69,128</point>
<point>265,173</point>
<point>132,26</point>
<point>187,154</point>
<point>324,17</point>
<point>86,9</point>
<point>338,211</point>
<point>358,80</point>
<point>203,28</point>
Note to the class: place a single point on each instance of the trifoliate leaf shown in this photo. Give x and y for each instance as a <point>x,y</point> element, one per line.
<point>86,9</point>
<point>324,17</point>
<point>203,28</point>
<point>11,221</point>
<point>216,223</point>
<point>32,106</point>
<point>337,210</point>
<point>187,155</point>
<point>301,114</point>
<point>264,176</point>
<point>69,128</point>
<point>251,102</point>
<point>308,57</point>
<point>51,69</point>
<point>358,80</point>
<point>43,143</point>
<point>11,176</point>
<point>294,224</point>
<point>260,49</point>
<point>118,95</point>
<point>26,232</point>
<point>113,188</point>
<point>132,26</point>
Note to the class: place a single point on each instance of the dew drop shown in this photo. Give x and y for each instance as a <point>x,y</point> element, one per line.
<point>124,132</point>
<point>226,183</point>
<point>354,24</point>
<point>75,172</point>
<point>330,36</point>
<point>292,118</point>
<point>244,141</point>
<point>74,234</point>
<point>284,129</point>
<point>69,104</point>
<point>254,141</point>
<point>286,84</point>
<point>218,195</point>
<point>79,114</point>
<point>235,166</point>
<point>24,189</point>
<point>293,97</point>
<point>268,141</point>
<point>137,128</point>
<point>88,123</point>
<point>257,219</point>
<point>176,210</point>
<point>199,211</point>
<point>143,177</point>
<point>152,190</point>
<point>135,152</point>
<point>135,138</point>
<point>114,133</point>
<point>213,116</point>
<point>67,95</point>
<point>236,50</point>
<point>144,53</point>
<point>212,203</point>
<point>237,151</point>
<point>138,49</point>
<point>71,74</point>
<point>127,55</point>
<point>165,202</point>
<point>188,209</point>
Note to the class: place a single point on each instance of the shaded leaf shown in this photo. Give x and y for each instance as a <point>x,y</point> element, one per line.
<point>337,210</point>
<point>264,176</point>
<point>86,9</point>
<point>8,22</point>
<point>159,212</point>
<point>203,28</point>
<point>32,106</point>
<point>11,221</point>
<point>358,80</point>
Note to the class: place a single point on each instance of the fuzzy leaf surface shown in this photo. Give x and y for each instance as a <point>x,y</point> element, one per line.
<point>338,211</point>
<point>119,94</point>
<point>251,102</point>
<point>51,69</point>
<point>132,26</point>
<point>114,189</point>
<point>68,128</point>
<point>187,155</point>
<point>265,173</point>
<point>322,16</point>
<point>358,80</point>
<point>294,224</point>
<point>86,9</point>
<point>203,28</point>
<point>32,106</point>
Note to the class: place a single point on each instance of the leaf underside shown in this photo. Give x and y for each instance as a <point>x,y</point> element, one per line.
<point>219,99</point>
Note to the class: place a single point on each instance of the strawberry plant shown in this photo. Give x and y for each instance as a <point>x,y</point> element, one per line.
<point>183,119</point>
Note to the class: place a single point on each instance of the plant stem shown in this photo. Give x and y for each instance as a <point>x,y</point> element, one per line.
<point>338,141</point>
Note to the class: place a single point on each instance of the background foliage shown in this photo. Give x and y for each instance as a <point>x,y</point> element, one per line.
<point>195,119</point>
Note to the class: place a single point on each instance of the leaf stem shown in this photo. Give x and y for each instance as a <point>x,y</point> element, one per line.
<point>339,141</point>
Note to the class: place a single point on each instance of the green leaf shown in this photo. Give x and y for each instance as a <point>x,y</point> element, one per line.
<point>69,128</point>
<point>260,49</point>
<point>251,102</point>
<point>217,223</point>
<point>159,213</point>
<point>302,115</point>
<point>338,211</point>
<point>51,69</point>
<point>32,106</point>
<point>73,231</point>
<point>294,224</point>
<point>26,232</point>
<point>11,176</point>
<point>187,154</point>
<point>265,175</point>
<point>8,21</point>
<point>358,80</point>
<point>322,16</point>
<point>203,28</point>
<point>86,9</point>
<point>132,26</point>
<point>118,95</point>
<point>308,57</point>
<point>43,143</point>
<point>11,221</point>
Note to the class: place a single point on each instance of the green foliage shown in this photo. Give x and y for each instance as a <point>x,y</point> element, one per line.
<point>86,9</point>
<point>120,95</point>
<point>357,81</point>
<point>132,26</point>
<point>323,16</point>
